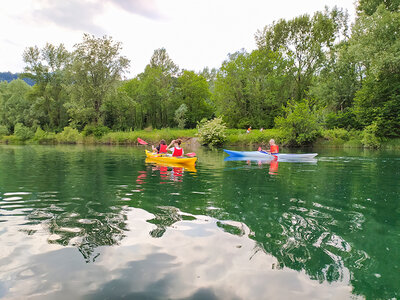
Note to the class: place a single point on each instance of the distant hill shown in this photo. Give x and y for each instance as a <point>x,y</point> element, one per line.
<point>8,76</point>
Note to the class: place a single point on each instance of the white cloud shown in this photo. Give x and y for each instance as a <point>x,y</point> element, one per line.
<point>196,33</point>
<point>72,14</point>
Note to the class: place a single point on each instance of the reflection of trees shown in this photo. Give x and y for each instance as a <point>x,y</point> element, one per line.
<point>164,217</point>
<point>72,196</point>
<point>328,222</point>
<point>322,223</point>
<point>102,229</point>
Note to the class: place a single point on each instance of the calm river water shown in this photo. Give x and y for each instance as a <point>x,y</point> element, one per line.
<point>100,223</point>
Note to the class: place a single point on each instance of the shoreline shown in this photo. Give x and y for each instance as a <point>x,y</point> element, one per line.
<point>234,137</point>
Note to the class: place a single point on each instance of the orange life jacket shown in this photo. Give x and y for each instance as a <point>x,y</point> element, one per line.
<point>274,149</point>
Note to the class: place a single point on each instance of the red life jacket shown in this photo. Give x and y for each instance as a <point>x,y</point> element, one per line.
<point>274,149</point>
<point>163,149</point>
<point>177,152</point>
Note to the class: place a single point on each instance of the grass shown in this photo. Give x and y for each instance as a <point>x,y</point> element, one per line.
<point>239,136</point>
<point>153,136</point>
<point>334,138</point>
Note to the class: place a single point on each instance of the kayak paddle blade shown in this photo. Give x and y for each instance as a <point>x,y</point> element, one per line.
<point>140,141</point>
<point>191,154</point>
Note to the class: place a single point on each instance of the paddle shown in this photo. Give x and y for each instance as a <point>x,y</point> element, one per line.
<point>140,141</point>
<point>191,154</point>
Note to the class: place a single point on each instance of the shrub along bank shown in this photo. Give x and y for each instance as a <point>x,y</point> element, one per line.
<point>332,138</point>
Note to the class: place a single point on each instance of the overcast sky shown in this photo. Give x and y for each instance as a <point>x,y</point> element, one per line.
<point>195,33</point>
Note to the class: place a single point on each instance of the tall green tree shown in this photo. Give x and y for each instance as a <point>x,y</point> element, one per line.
<point>155,92</point>
<point>47,67</point>
<point>304,39</point>
<point>15,106</point>
<point>192,90</point>
<point>96,70</point>
<point>376,44</point>
<point>251,88</point>
<point>338,81</point>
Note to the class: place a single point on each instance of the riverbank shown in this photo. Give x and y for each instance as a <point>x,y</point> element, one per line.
<point>335,138</point>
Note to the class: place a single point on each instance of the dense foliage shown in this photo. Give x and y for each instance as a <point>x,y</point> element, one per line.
<point>299,124</point>
<point>212,132</point>
<point>349,74</point>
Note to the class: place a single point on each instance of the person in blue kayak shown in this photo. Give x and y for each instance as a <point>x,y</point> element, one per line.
<point>161,148</point>
<point>273,148</point>
<point>176,150</point>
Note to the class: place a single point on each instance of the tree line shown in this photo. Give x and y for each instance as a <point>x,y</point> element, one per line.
<point>320,68</point>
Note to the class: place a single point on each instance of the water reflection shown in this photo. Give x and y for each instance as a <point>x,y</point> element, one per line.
<point>169,171</point>
<point>273,164</point>
<point>314,231</point>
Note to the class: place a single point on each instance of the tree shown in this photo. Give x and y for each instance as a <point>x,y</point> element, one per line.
<point>339,80</point>
<point>47,67</point>
<point>369,7</point>
<point>96,69</point>
<point>14,104</point>
<point>376,45</point>
<point>161,60</point>
<point>120,111</point>
<point>251,88</point>
<point>305,40</point>
<point>192,90</point>
<point>155,91</point>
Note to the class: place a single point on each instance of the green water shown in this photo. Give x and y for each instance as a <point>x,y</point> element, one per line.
<point>100,223</point>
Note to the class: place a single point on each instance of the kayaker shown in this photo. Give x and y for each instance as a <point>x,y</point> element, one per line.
<point>273,148</point>
<point>176,150</point>
<point>248,130</point>
<point>161,148</point>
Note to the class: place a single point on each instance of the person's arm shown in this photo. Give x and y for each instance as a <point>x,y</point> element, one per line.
<point>153,148</point>
<point>169,146</point>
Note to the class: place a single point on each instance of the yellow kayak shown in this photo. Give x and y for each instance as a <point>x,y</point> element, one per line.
<point>171,159</point>
<point>187,167</point>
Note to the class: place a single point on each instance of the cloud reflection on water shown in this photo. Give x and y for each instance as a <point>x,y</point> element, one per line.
<point>213,264</point>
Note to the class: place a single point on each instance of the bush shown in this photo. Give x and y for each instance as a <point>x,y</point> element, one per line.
<point>42,136</point>
<point>97,131</point>
<point>3,130</point>
<point>299,125</point>
<point>22,132</point>
<point>337,135</point>
<point>69,136</point>
<point>369,138</point>
<point>212,132</point>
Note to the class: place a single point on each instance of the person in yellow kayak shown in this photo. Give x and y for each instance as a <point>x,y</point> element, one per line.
<point>273,148</point>
<point>176,150</point>
<point>161,148</point>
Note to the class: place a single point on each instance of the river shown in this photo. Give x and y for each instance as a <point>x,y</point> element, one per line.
<point>87,222</point>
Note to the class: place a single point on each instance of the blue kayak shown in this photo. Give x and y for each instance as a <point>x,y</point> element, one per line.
<point>266,155</point>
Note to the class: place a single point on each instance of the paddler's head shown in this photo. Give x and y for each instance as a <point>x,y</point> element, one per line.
<point>272,142</point>
<point>178,142</point>
<point>162,142</point>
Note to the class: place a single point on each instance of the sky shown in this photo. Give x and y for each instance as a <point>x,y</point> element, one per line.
<point>195,33</point>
